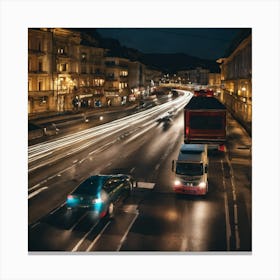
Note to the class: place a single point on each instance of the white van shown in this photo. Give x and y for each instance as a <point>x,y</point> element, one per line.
<point>191,170</point>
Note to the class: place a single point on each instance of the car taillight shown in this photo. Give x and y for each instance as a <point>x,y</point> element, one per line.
<point>222,148</point>
<point>102,214</point>
<point>187,130</point>
<point>70,197</point>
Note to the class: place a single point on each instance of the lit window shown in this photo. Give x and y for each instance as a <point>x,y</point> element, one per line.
<point>40,86</point>
<point>63,67</point>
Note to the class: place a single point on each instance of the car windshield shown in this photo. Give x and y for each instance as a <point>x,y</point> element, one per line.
<point>91,186</point>
<point>183,168</point>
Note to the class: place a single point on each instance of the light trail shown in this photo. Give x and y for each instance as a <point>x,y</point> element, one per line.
<point>40,152</point>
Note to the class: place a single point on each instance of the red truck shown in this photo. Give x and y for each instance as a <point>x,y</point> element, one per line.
<point>205,122</point>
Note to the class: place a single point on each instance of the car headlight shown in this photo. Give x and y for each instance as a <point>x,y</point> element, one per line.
<point>202,185</point>
<point>97,200</point>
<point>177,183</point>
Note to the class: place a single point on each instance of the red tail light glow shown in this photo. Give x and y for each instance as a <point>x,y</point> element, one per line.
<point>222,148</point>
<point>102,214</point>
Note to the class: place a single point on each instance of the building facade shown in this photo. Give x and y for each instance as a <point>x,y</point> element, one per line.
<point>116,80</point>
<point>41,96</point>
<point>214,80</point>
<point>67,70</point>
<point>138,84</point>
<point>197,76</point>
<point>236,79</point>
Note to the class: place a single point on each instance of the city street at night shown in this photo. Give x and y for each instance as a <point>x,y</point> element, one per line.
<point>153,218</point>
<point>139,140</point>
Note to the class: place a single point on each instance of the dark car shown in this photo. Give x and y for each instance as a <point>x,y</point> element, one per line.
<point>101,194</point>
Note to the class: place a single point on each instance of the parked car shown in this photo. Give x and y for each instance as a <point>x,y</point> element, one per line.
<point>101,194</point>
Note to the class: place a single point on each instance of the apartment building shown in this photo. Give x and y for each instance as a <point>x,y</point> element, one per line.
<point>53,68</point>
<point>40,71</point>
<point>116,88</point>
<point>67,70</point>
<point>91,79</point>
<point>214,80</point>
<point>137,80</point>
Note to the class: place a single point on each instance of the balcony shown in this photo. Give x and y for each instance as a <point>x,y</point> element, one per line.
<point>40,93</point>
<point>38,72</point>
<point>111,79</point>
<point>98,74</point>
<point>36,52</point>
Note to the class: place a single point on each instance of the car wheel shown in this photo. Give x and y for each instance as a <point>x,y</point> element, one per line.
<point>111,210</point>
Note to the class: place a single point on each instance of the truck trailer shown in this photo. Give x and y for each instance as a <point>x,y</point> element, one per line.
<point>205,122</point>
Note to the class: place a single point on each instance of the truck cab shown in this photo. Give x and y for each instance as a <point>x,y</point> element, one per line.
<point>191,170</point>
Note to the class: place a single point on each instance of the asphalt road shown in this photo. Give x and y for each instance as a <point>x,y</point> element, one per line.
<point>153,218</point>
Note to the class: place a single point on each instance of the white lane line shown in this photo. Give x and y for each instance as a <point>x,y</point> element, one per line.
<point>130,208</point>
<point>235,212</point>
<point>157,166</point>
<point>84,237</point>
<point>37,185</point>
<point>228,228</point>
<point>37,192</point>
<point>78,221</point>
<point>33,226</point>
<point>97,237</point>
<point>145,185</point>
<point>132,170</point>
<point>127,231</point>
<point>56,209</point>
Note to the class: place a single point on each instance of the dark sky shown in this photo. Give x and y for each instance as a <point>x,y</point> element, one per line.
<point>209,43</point>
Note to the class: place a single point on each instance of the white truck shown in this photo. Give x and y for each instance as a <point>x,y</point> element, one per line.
<point>191,170</point>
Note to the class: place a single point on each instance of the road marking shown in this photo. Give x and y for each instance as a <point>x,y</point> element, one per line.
<point>228,228</point>
<point>145,185</point>
<point>127,231</point>
<point>36,224</point>
<point>84,237</point>
<point>56,209</point>
<point>235,212</point>
<point>37,185</point>
<point>78,221</point>
<point>132,170</point>
<point>37,192</point>
<point>97,237</point>
<point>130,208</point>
<point>157,166</point>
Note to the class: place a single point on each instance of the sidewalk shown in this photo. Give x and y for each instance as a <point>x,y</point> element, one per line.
<point>246,125</point>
